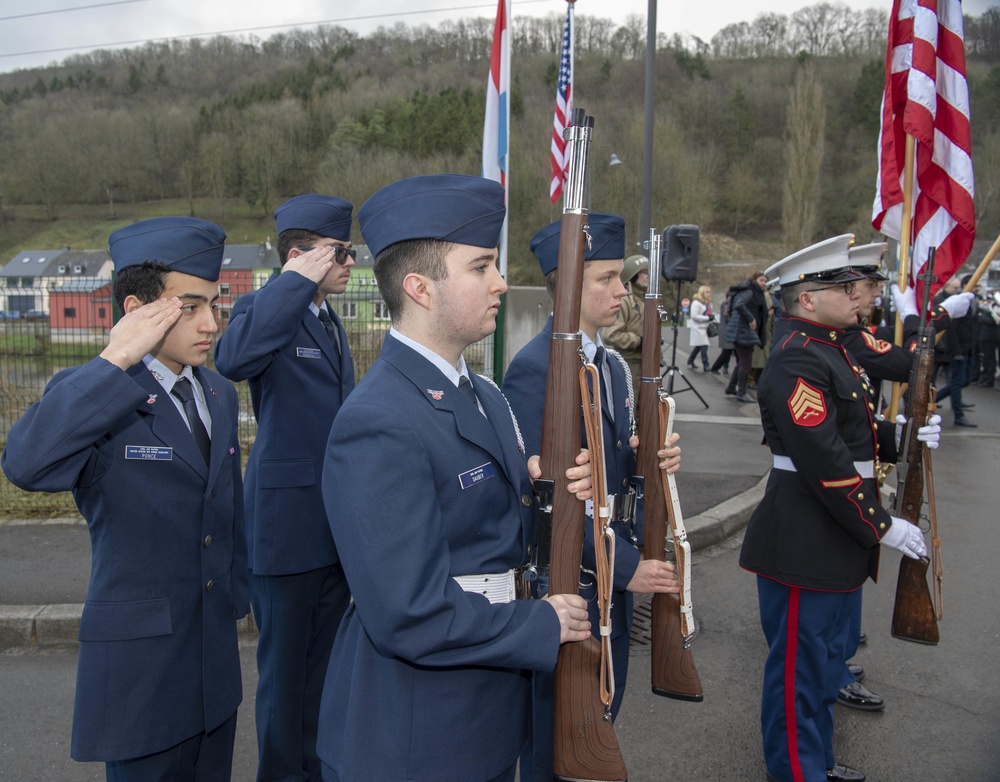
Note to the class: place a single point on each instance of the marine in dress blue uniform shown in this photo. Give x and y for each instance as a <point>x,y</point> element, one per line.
<point>158,679</point>
<point>424,487</point>
<point>524,386</point>
<point>298,380</point>
<point>814,539</point>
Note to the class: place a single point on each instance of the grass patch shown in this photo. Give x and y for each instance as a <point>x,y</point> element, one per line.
<point>87,226</point>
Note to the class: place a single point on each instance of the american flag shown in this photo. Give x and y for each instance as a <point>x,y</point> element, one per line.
<point>927,97</point>
<point>564,108</point>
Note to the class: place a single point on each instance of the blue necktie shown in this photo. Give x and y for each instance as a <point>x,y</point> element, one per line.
<point>183,391</point>
<point>465,386</point>
<point>330,328</point>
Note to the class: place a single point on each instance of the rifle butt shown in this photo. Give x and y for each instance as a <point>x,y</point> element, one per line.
<point>585,747</point>
<point>913,617</point>
<point>673,672</point>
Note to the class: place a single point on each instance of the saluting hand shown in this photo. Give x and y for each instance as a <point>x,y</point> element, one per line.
<point>574,625</point>
<point>141,330</point>
<point>312,264</point>
<point>652,575</point>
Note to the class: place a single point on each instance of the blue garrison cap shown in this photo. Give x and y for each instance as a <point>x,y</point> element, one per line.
<point>322,215</point>
<point>607,241</point>
<point>447,207</point>
<point>184,244</point>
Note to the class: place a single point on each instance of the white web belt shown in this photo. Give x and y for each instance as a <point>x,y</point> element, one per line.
<point>865,469</point>
<point>497,587</point>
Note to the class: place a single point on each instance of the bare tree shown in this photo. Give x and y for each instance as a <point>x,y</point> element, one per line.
<point>732,41</point>
<point>872,35</point>
<point>803,158</point>
<point>814,29</point>
<point>769,34</point>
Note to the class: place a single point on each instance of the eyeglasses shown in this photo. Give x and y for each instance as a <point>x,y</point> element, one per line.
<point>340,254</point>
<point>847,287</point>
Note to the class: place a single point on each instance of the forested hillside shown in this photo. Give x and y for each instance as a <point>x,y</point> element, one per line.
<point>765,136</point>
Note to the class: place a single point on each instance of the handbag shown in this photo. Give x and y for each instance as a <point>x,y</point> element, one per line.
<point>712,330</point>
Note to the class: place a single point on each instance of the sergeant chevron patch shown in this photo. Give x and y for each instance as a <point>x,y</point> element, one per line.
<point>878,345</point>
<point>807,405</point>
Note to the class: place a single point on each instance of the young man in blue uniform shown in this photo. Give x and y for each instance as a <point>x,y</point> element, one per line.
<point>145,437</point>
<point>431,504</point>
<point>814,538</point>
<point>524,386</point>
<point>291,347</point>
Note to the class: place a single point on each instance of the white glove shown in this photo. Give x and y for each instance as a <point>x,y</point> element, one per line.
<point>929,433</point>
<point>958,305</point>
<point>904,302</point>
<point>905,537</point>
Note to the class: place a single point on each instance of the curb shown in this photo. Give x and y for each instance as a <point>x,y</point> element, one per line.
<point>59,624</point>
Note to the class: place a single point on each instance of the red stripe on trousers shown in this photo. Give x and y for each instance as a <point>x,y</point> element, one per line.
<point>791,651</point>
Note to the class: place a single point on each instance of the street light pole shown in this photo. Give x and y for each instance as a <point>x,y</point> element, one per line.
<point>647,144</point>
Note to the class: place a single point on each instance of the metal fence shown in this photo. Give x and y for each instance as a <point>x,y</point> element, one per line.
<point>33,349</point>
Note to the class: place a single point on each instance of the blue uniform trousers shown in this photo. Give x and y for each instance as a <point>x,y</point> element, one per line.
<point>298,616</point>
<point>805,630</point>
<point>207,757</point>
<point>852,635</point>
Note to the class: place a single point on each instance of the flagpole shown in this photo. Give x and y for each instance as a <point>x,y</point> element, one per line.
<point>903,276</point>
<point>983,266</point>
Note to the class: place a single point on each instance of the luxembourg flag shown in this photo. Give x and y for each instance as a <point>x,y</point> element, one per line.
<point>496,130</point>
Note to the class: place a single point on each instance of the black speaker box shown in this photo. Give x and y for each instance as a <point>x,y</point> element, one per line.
<point>680,253</point>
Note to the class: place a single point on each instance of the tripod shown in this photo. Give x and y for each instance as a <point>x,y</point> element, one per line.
<point>673,369</point>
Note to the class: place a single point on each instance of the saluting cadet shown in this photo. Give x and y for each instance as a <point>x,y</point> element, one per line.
<point>431,504</point>
<point>524,386</point>
<point>814,538</point>
<point>145,437</point>
<point>287,341</point>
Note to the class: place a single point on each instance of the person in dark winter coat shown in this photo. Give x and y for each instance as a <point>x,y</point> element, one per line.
<point>725,345</point>
<point>745,330</point>
<point>960,347</point>
<point>988,317</point>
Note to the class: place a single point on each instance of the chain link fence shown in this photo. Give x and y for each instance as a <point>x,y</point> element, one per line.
<point>36,344</point>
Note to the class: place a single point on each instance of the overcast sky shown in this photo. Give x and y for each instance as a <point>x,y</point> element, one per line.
<point>46,31</point>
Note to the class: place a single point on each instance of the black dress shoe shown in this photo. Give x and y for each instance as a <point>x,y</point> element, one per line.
<point>863,638</point>
<point>968,405</point>
<point>856,671</point>
<point>965,422</point>
<point>841,773</point>
<point>856,696</point>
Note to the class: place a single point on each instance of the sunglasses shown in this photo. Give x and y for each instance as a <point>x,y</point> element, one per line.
<point>340,254</point>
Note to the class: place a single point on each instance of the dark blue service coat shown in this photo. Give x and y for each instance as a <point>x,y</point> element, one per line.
<point>298,382</point>
<point>427,681</point>
<point>159,659</point>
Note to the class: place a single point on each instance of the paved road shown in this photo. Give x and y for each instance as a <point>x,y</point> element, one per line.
<point>943,702</point>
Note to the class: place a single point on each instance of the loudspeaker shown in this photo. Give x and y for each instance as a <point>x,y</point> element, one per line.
<point>680,253</point>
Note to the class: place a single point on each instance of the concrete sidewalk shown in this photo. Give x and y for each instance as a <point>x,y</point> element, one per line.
<point>45,564</point>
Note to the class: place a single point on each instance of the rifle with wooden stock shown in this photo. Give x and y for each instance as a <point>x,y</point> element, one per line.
<point>913,614</point>
<point>673,673</point>
<point>585,746</point>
